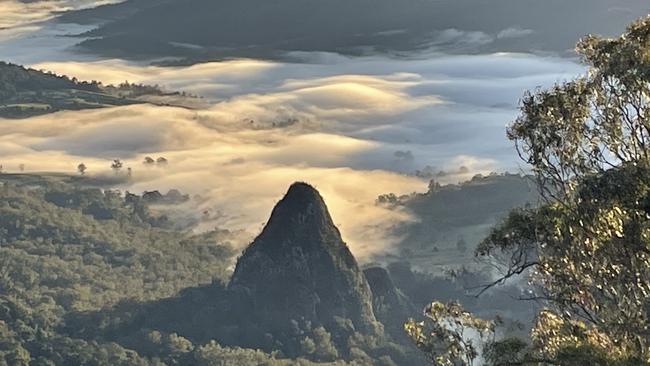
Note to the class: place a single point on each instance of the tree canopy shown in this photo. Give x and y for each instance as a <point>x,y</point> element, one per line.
<point>586,248</point>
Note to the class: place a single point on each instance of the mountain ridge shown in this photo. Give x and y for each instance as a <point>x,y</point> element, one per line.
<point>26,92</point>
<point>225,29</point>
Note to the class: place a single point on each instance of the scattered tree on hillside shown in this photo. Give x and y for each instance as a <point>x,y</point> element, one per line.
<point>116,165</point>
<point>81,168</point>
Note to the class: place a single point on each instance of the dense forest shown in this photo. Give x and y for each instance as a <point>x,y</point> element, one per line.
<point>91,276</point>
<point>66,248</point>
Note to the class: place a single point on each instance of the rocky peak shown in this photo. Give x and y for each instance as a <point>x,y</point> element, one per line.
<point>299,220</point>
<point>299,268</point>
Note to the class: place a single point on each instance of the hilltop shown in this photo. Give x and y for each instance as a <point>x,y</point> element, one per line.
<point>90,274</point>
<point>450,220</point>
<point>26,92</point>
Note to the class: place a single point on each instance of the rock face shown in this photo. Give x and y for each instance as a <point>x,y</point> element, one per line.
<point>299,271</point>
<point>390,305</point>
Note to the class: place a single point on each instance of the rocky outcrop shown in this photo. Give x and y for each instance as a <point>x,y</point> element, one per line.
<point>299,271</point>
<point>391,307</point>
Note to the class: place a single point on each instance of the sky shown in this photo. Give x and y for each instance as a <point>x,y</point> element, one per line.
<point>354,127</point>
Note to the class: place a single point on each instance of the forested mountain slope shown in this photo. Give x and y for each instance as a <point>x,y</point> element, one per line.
<point>93,276</point>
<point>450,220</point>
<point>297,292</point>
<point>26,92</point>
<point>67,248</point>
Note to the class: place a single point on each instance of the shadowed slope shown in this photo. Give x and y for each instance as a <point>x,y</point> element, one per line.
<point>300,269</point>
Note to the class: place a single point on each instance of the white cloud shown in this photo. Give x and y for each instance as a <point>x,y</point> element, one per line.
<point>200,162</point>
<point>333,121</point>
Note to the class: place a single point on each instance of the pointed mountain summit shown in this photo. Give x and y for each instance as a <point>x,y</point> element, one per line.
<point>299,270</point>
<point>302,220</point>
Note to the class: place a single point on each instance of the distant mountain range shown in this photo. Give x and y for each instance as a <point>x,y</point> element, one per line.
<point>212,29</point>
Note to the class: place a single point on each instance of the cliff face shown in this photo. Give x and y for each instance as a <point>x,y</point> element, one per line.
<point>391,307</point>
<point>300,270</point>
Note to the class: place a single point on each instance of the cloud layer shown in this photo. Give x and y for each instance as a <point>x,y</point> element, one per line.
<point>354,127</point>
<point>351,126</point>
<point>437,107</point>
<point>238,173</point>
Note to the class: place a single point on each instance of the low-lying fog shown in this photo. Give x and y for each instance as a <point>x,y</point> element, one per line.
<point>353,127</point>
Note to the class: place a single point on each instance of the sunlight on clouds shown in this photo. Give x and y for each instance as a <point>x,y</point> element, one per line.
<point>240,173</point>
<point>351,127</point>
<point>244,194</point>
<point>115,71</point>
<point>237,82</point>
<point>347,97</point>
<point>15,13</point>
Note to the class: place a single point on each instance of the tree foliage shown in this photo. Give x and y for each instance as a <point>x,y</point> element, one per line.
<point>586,247</point>
<point>66,249</point>
<point>449,334</point>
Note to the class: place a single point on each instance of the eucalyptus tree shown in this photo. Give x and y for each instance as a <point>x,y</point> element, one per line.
<point>586,246</point>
